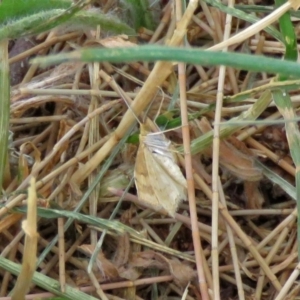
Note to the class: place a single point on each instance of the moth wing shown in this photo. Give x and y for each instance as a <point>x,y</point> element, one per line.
<point>168,191</point>
<point>159,146</point>
<point>171,167</point>
<point>142,182</point>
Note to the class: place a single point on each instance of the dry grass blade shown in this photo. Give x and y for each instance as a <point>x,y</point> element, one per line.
<point>200,261</point>
<point>30,248</point>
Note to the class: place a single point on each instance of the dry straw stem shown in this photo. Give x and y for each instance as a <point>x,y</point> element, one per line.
<point>189,170</point>
<point>215,168</point>
<point>30,248</point>
<point>94,135</point>
<point>159,73</point>
<point>233,250</point>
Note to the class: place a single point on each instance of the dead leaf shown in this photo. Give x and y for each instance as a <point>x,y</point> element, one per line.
<point>182,273</point>
<point>239,163</point>
<point>122,251</point>
<point>146,259</point>
<point>129,273</point>
<point>254,198</point>
<point>107,268</point>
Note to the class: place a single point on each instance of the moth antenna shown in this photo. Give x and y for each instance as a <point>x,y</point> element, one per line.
<point>127,101</point>
<point>161,102</point>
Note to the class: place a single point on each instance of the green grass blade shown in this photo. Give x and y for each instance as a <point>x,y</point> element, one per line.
<point>287,85</point>
<point>290,39</point>
<point>194,56</point>
<point>262,9</point>
<point>4,107</point>
<point>46,282</point>
<point>276,179</point>
<point>91,19</point>
<point>252,114</point>
<point>139,12</point>
<point>284,104</point>
<point>38,21</point>
<point>14,9</point>
<point>112,227</point>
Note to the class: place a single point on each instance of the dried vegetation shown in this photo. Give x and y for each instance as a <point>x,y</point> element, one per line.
<point>63,116</point>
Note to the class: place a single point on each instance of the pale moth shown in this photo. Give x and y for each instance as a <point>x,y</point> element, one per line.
<point>158,179</point>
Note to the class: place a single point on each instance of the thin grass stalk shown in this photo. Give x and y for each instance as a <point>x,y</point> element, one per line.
<point>96,284</point>
<point>93,138</point>
<point>215,167</point>
<point>233,251</point>
<point>252,249</point>
<point>61,247</point>
<point>189,170</point>
<point>4,107</point>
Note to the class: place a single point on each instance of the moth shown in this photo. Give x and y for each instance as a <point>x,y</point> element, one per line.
<point>158,179</point>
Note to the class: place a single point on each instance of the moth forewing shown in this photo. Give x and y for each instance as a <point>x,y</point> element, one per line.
<point>171,167</point>
<point>160,147</point>
<point>158,178</point>
<point>141,177</point>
